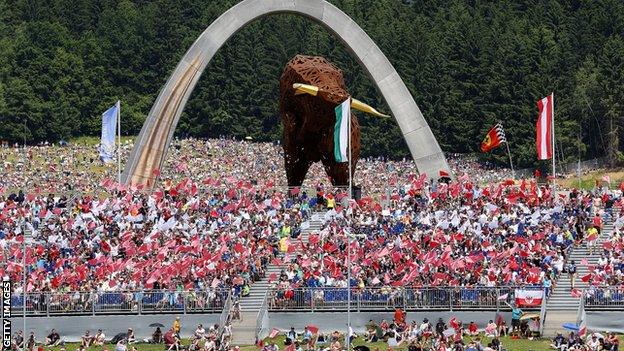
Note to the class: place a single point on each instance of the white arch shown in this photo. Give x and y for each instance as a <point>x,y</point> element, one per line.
<point>152,143</point>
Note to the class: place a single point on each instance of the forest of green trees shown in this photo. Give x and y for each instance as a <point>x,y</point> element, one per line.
<point>468,64</point>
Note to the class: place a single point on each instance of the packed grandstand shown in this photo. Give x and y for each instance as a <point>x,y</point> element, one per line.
<point>216,222</point>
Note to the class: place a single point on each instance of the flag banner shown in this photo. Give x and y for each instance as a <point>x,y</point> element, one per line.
<point>582,321</point>
<point>109,129</point>
<point>544,128</point>
<point>274,332</point>
<point>494,138</point>
<point>503,297</point>
<point>341,131</point>
<point>528,298</point>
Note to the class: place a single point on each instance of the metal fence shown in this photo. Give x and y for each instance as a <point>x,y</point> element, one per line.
<point>571,168</point>
<point>604,298</point>
<point>384,299</point>
<point>124,302</point>
<point>224,318</point>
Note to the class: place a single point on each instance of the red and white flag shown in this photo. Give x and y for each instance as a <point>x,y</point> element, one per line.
<point>274,332</point>
<point>544,128</point>
<point>528,298</point>
<point>582,323</point>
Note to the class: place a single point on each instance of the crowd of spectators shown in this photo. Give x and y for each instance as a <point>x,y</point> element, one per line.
<point>457,234</point>
<point>220,216</point>
<point>215,222</point>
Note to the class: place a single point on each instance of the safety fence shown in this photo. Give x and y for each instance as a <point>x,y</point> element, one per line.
<point>572,168</point>
<point>604,298</point>
<point>384,299</point>
<point>298,299</point>
<point>124,302</point>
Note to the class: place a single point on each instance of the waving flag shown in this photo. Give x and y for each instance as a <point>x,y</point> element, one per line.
<point>544,128</point>
<point>529,298</point>
<point>494,138</point>
<point>109,128</point>
<point>341,131</point>
<point>582,321</point>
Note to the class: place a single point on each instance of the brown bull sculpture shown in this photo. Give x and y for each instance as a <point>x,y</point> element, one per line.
<point>310,89</point>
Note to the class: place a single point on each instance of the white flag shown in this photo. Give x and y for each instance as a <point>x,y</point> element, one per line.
<point>109,128</point>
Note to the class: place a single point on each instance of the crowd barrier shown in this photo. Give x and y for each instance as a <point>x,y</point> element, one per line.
<point>383,299</point>
<point>298,299</point>
<point>604,298</point>
<point>123,302</point>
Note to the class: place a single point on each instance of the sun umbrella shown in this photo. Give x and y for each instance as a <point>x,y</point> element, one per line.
<point>529,316</point>
<point>156,325</point>
<point>570,326</point>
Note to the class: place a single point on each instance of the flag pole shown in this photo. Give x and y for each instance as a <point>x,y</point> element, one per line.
<point>348,335</point>
<point>513,173</point>
<point>119,141</point>
<point>554,174</point>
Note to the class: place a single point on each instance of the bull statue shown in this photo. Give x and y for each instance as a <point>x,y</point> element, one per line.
<point>310,89</point>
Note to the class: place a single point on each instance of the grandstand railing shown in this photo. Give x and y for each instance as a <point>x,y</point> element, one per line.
<point>122,302</point>
<point>224,318</point>
<point>611,298</point>
<point>384,299</point>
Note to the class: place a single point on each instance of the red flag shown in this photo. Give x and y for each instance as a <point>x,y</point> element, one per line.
<point>454,323</point>
<point>274,333</point>
<point>494,138</point>
<point>575,293</point>
<point>313,328</point>
<point>544,128</point>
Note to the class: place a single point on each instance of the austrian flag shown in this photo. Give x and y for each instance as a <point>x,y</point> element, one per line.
<point>528,298</point>
<point>494,138</point>
<point>544,128</point>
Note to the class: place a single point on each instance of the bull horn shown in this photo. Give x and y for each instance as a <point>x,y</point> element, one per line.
<point>301,88</point>
<point>305,89</point>
<point>360,106</point>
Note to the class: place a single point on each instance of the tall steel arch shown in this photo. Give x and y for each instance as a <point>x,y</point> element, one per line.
<point>152,143</point>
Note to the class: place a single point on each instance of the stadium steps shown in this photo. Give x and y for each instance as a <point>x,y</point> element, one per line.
<point>244,331</point>
<point>561,304</point>
<point>253,302</point>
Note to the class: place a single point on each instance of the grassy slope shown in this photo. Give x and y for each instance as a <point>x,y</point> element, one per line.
<point>588,181</point>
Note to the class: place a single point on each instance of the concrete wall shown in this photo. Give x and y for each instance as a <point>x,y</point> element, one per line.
<point>71,328</point>
<point>601,321</point>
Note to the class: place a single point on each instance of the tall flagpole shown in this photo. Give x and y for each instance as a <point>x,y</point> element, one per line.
<point>513,173</point>
<point>348,335</point>
<point>119,141</point>
<point>554,174</point>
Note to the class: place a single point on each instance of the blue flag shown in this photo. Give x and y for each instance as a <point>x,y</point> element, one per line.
<point>109,129</point>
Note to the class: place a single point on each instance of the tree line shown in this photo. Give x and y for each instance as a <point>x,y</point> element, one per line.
<point>468,64</point>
